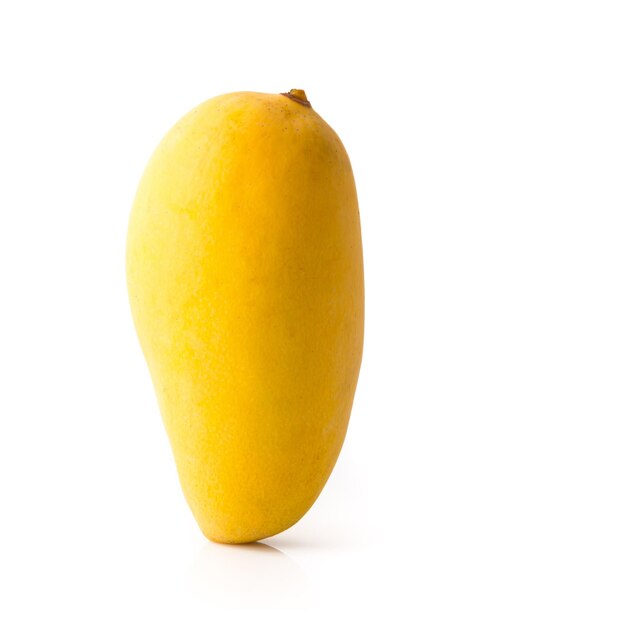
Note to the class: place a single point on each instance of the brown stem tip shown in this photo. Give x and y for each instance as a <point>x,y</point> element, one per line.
<point>297,95</point>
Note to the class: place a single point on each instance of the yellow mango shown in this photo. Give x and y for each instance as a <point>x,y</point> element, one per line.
<point>245,278</point>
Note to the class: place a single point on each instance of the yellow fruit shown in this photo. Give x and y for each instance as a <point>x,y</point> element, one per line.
<point>245,277</point>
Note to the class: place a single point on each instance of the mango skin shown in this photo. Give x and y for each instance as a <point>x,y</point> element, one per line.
<point>245,278</point>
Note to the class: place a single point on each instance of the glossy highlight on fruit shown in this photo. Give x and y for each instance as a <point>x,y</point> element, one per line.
<point>245,278</point>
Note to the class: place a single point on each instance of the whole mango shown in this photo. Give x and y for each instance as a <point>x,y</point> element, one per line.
<point>245,277</point>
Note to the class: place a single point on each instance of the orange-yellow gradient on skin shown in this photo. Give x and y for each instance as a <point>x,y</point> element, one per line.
<point>245,277</point>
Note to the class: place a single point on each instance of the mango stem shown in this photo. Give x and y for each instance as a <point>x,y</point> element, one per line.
<point>298,95</point>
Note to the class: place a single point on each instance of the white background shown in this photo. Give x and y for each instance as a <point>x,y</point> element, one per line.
<point>483,479</point>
